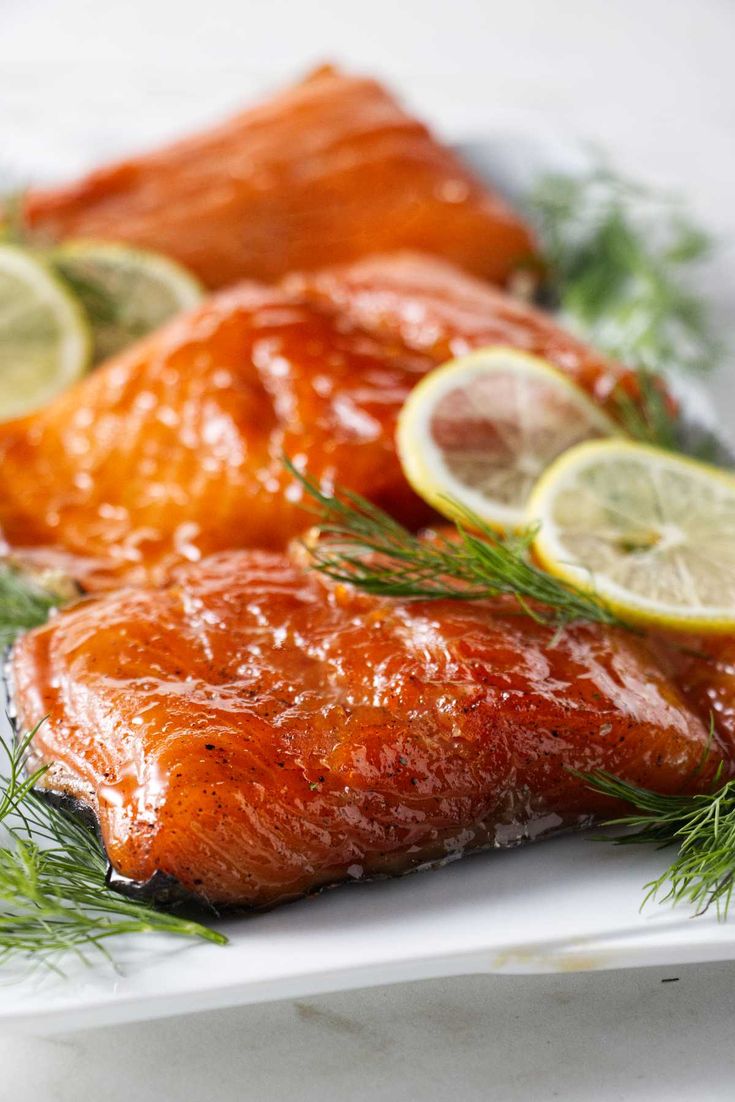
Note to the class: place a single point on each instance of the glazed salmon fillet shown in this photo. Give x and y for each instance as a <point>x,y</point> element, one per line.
<point>324,173</point>
<point>257,734</point>
<point>174,449</point>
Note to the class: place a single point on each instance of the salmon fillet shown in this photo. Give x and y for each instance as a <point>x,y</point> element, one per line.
<point>173,450</point>
<point>704,670</point>
<point>326,172</point>
<point>257,734</point>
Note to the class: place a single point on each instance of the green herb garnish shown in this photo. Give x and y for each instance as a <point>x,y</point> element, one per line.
<point>620,259</point>
<point>24,602</point>
<point>360,545</point>
<point>54,897</point>
<point>703,826</point>
<point>649,415</point>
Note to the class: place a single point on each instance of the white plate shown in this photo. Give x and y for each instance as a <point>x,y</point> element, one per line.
<point>570,904</point>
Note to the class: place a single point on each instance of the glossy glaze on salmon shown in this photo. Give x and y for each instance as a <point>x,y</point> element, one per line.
<point>257,734</point>
<point>326,172</point>
<point>174,449</point>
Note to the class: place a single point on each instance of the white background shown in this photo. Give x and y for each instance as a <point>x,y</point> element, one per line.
<point>652,82</point>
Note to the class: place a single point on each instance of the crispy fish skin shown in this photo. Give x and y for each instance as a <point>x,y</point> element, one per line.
<point>173,450</point>
<point>257,734</point>
<point>325,172</point>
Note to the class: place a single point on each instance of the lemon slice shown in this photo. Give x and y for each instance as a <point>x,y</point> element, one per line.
<point>482,428</point>
<point>45,341</point>
<point>125,292</point>
<point>652,533</point>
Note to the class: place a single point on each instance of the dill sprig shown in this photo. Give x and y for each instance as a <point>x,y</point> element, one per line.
<point>360,545</point>
<point>703,826</point>
<point>25,602</point>
<point>649,415</point>
<point>54,897</point>
<point>620,257</point>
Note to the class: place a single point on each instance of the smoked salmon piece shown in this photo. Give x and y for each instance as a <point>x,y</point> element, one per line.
<point>256,733</point>
<point>326,172</point>
<point>703,667</point>
<point>173,450</point>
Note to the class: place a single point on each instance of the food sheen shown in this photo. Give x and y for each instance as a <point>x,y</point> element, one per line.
<point>257,733</point>
<point>174,449</point>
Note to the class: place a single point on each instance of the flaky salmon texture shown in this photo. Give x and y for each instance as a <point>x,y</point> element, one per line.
<point>174,449</point>
<point>257,733</point>
<point>326,172</point>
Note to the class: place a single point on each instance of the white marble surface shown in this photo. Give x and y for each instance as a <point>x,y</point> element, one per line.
<point>650,80</point>
<point>616,1037</point>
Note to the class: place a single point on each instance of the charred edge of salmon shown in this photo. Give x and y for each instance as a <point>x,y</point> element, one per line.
<point>160,889</point>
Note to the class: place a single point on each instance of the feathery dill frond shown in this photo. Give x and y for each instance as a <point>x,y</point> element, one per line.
<point>360,545</point>
<point>620,257</point>
<point>54,896</point>
<point>702,826</point>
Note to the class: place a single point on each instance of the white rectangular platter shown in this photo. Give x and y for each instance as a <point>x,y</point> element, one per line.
<point>568,904</point>
<point>563,905</point>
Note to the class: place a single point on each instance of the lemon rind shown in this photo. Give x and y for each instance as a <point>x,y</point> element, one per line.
<point>637,610</point>
<point>174,274</point>
<point>75,335</point>
<point>429,477</point>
